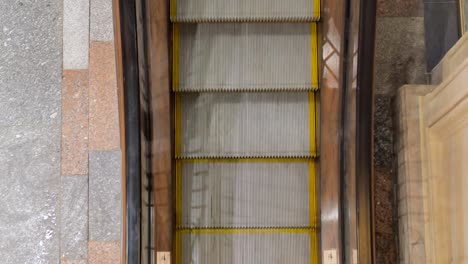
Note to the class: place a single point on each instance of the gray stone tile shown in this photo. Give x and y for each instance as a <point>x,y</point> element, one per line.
<point>29,194</point>
<point>30,61</point>
<point>75,34</point>
<point>406,8</point>
<point>400,53</point>
<point>104,195</point>
<point>74,217</point>
<point>30,42</point>
<point>102,27</point>
<point>28,103</point>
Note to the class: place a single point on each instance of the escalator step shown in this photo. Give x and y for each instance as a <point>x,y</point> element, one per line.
<point>203,11</point>
<point>245,57</point>
<point>245,125</point>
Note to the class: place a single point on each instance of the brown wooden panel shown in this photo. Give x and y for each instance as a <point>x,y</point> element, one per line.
<point>161,145</point>
<point>330,122</point>
<point>348,191</point>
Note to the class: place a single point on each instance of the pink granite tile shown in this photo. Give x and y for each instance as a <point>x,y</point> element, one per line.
<point>104,252</point>
<point>74,154</point>
<point>103,104</point>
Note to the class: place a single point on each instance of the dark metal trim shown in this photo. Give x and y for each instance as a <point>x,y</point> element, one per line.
<point>364,132</point>
<point>132,129</point>
<point>343,122</point>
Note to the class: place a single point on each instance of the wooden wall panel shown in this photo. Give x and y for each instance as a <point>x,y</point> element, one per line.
<point>161,143</point>
<point>330,123</point>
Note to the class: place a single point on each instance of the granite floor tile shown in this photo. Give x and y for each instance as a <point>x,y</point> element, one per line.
<point>400,53</point>
<point>74,217</point>
<point>23,103</point>
<point>29,194</point>
<point>103,109</point>
<point>75,34</point>
<point>104,195</point>
<point>30,42</point>
<point>30,61</point>
<point>104,252</point>
<point>75,123</point>
<point>102,25</point>
<point>74,261</point>
<point>400,8</point>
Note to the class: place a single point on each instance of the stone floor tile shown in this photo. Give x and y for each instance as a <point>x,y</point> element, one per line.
<point>75,123</point>
<point>103,109</point>
<point>101,252</point>
<point>102,25</point>
<point>29,194</point>
<point>400,55</point>
<point>104,195</point>
<point>23,103</point>
<point>400,8</point>
<point>74,261</point>
<point>30,43</point>
<point>75,34</point>
<point>74,217</point>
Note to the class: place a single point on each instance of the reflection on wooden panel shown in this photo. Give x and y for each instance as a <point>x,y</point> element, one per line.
<point>330,121</point>
<point>349,128</point>
<point>158,53</point>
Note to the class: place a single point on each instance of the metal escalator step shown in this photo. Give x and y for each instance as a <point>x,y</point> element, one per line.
<point>245,11</point>
<point>245,124</point>
<point>247,194</point>
<point>246,246</point>
<point>245,57</point>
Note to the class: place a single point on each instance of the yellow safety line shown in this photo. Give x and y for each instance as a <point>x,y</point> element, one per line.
<point>312,211</point>
<point>317,123</point>
<point>313,134</point>
<point>177,125</point>
<point>317,8</point>
<point>314,248</point>
<point>312,125</point>
<point>312,196</point>
<point>178,248</point>
<point>236,160</point>
<point>314,56</point>
<point>304,230</point>
<point>175,56</point>
<point>173,9</point>
<point>178,176</point>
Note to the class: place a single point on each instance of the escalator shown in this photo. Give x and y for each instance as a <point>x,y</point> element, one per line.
<point>245,131</point>
<point>231,131</point>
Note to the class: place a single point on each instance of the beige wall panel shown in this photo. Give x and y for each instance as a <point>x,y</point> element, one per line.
<point>410,186</point>
<point>445,148</point>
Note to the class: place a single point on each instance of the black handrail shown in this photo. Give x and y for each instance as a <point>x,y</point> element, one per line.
<point>364,134</point>
<point>131,96</point>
